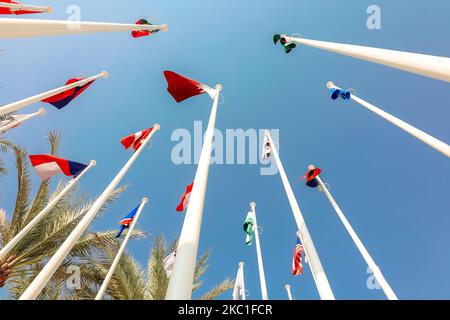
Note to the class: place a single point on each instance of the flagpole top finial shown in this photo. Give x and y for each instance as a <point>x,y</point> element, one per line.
<point>164,27</point>
<point>144,200</point>
<point>288,287</point>
<point>311,167</point>
<point>219,87</point>
<point>241,264</point>
<point>253,205</point>
<point>157,126</point>
<point>42,111</point>
<point>93,163</point>
<point>105,74</point>
<point>267,132</point>
<point>48,10</point>
<point>330,84</point>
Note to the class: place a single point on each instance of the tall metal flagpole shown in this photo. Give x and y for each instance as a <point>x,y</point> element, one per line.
<point>239,285</point>
<point>18,6</point>
<point>16,28</point>
<point>288,290</point>
<point>14,241</point>
<point>262,277</point>
<point>362,249</point>
<point>18,122</point>
<point>15,106</point>
<point>437,144</point>
<point>423,64</point>
<point>113,267</point>
<point>320,278</point>
<point>52,265</point>
<point>181,280</point>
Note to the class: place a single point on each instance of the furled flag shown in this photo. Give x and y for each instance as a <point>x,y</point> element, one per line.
<point>126,221</point>
<point>12,11</point>
<point>182,88</point>
<point>249,229</point>
<point>142,33</point>
<point>297,266</point>
<point>184,202</point>
<point>336,92</point>
<point>48,166</point>
<point>311,177</point>
<point>10,119</point>
<point>136,139</point>
<point>62,99</point>
<point>287,46</point>
<point>168,263</point>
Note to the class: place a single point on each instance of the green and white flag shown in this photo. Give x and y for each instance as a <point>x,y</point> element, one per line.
<point>249,229</point>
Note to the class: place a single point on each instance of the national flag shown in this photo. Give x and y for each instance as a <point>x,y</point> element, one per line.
<point>142,33</point>
<point>12,118</point>
<point>126,221</point>
<point>249,228</point>
<point>184,203</point>
<point>4,10</point>
<point>62,99</point>
<point>48,166</point>
<point>136,139</point>
<point>297,265</point>
<point>168,263</point>
<point>182,88</point>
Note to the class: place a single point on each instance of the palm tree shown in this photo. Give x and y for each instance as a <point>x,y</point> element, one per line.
<point>5,145</point>
<point>132,282</point>
<point>25,261</point>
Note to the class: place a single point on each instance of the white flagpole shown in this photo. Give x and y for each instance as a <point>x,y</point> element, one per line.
<point>15,106</point>
<point>14,241</point>
<point>262,277</point>
<point>18,6</point>
<point>181,281</point>
<point>237,285</point>
<point>18,122</point>
<point>320,278</point>
<point>362,249</point>
<point>423,64</point>
<point>52,265</point>
<point>242,287</point>
<point>288,290</point>
<point>113,267</point>
<point>16,28</point>
<point>437,144</point>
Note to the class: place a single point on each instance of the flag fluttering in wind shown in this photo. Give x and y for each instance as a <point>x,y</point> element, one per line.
<point>12,7</point>
<point>136,139</point>
<point>62,99</point>
<point>297,265</point>
<point>336,92</point>
<point>143,33</point>
<point>168,263</point>
<point>48,166</point>
<point>287,46</point>
<point>126,221</point>
<point>249,229</point>
<point>184,202</point>
<point>182,88</point>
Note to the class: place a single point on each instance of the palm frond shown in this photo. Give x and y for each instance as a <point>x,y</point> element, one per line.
<point>226,285</point>
<point>157,281</point>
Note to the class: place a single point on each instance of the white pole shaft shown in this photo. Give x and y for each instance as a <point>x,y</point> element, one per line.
<point>113,267</point>
<point>52,265</point>
<point>181,280</point>
<point>320,278</point>
<point>262,277</point>
<point>22,120</point>
<point>18,237</point>
<point>242,289</point>
<point>437,144</point>
<point>15,106</point>
<point>237,284</point>
<point>16,28</point>
<point>362,249</point>
<point>427,65</point>
<point>288,290</point>
<point>18,6</point>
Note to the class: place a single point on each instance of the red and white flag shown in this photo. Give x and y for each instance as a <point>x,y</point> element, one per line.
<point>182,88</point>
<point>48,166</point>
<point>297,265</point>
<point>136,139</point>
<point>184,203</point>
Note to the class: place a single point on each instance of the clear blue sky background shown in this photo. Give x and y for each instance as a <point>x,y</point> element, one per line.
<point>393,189</point>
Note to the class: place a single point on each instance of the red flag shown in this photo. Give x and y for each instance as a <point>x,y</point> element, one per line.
<point>16,12</point>
<point>136,139</point>
<point>297,265</point>
<point>184,203</point>
<point>182,88</point>
<point>142,33</point>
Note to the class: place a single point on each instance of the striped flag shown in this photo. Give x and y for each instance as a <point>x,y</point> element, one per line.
<point>48,166</point>
<point>182,88</point>
<point>184,202</point>
<point>126,221</point>
<point>10,119</point>
<point>249,229</point>
<point>297,265</point>
<point>62,99</point>
<point>168,263</point>
<point>15,11</point>
<point>136,139</point>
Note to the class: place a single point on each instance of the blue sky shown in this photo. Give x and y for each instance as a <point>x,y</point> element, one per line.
<point>393,189</point>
